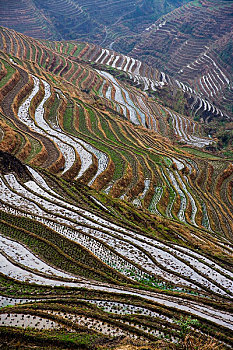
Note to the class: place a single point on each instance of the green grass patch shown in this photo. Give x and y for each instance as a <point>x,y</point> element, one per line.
<point>68,117</point>
<point>10,72</point>
<point>80,46</point>
<point>116,158</point>
<point>36,148</point>
<point>200,153</point>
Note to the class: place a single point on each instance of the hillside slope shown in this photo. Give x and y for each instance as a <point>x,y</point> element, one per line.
<point>93,20</point>
<point>194,45</point>
<point>125,222</point>
<point>191,41</point>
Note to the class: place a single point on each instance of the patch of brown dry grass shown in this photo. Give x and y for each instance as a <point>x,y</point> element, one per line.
<point>200,343</point>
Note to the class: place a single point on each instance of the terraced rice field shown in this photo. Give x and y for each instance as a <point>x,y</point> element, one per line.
<point>109,227</point>
<point>187,43</point>
<point>94,20</point>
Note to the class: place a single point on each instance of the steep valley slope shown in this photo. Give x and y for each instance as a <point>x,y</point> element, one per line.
<point>115,202</point>
<point>125,223</point>
<point>190,41</point>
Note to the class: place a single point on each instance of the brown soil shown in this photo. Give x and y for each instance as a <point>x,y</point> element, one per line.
<point>6,105</point>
